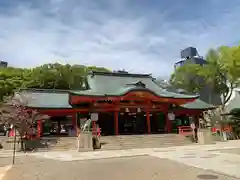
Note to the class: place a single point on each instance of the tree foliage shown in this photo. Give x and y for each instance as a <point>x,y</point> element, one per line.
<point>187,77</point>
<point>13,111</point>
<point>47,76</point>
<point>221,73</point>
<point>223,70</point>
<point>10,79</point>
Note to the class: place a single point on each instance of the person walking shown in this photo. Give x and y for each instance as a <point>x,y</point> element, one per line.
<point>194,131</point>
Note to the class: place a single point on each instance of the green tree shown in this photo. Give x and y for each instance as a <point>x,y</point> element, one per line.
<point>221,73</point>
<point>187,77</point>
<point>13,112</point>
<point>10,79</point>
<point>57,76</point>
<point>223,70</point>
<point>47,76</point>
<point>98,69</point>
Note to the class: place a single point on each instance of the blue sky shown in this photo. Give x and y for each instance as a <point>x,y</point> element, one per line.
<point>141,36</point>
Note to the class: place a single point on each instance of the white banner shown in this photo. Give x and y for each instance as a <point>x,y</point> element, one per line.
<point>171,116</point>
<point>94,116</point>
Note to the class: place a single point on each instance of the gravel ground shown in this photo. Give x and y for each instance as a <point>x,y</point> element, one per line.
<point>131,168</point>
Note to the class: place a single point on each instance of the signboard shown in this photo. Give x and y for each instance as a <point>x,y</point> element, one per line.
<point>140,94</point>
<point>171,116</point>
<point>143,95</point>
<point>147,95</point>
<point>94,116</point>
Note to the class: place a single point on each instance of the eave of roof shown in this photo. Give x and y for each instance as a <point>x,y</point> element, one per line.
<point>47,99</point>
<point>198,105</point>
<point>93,73</point>
<point>125,91</point>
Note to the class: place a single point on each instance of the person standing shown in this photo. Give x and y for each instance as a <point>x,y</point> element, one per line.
<point>79,140</point>
<point>5,129</point>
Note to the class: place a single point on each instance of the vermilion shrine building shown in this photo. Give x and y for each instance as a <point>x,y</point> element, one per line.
<point>125,103</point>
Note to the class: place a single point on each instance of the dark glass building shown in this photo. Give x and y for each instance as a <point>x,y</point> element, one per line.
<point>190,54</point>
<point>3,64</point>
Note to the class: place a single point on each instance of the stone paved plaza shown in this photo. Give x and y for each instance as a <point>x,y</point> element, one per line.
<point>219,161</point>
<point>128,168</point>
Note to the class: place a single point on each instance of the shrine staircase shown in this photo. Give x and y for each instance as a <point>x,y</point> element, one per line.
<point>120,142</point>
<point>111,142</point>
<point>143,141</point>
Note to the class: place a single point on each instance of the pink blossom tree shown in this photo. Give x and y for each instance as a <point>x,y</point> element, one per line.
<point>14,111</point>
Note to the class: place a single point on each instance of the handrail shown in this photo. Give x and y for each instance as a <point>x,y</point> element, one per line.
<point>227,129</point>
<point>223,129</point>
<point>184,130</point>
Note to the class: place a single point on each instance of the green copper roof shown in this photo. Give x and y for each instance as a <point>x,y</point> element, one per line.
<point>197,104</point>
<point>57,99</point>
<point>117,84</point>
<point>48,99</point>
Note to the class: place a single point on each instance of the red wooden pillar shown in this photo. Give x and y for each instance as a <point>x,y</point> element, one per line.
<point>148,121</point>
<point>39,128</point>
<point>74,120</point>
<point>116,122</point>
<point>74,123</point>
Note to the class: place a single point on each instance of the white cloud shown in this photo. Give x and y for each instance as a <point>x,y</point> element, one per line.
<point>83,33</point>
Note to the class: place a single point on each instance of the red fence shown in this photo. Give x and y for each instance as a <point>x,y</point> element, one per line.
<point>223,129</point>
<point>184,130</point>
<point>96,131</point>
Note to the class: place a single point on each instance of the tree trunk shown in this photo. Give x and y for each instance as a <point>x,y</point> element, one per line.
<point>22,148</point>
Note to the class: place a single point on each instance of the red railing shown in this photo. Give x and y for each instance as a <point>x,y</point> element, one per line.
<point>227,129</point>
<point>98,131</point>
<point>223,129</point>
<point>215,130</point>
<point>184,130</point>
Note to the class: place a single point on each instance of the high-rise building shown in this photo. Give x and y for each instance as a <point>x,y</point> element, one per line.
<point>190,54</point>
<point>3,64</point>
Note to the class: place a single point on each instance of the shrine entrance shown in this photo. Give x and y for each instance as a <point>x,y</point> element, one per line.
<point>132,123</point>
<point>56,126</point>
<point>106,123</point>
<point>158,122</point>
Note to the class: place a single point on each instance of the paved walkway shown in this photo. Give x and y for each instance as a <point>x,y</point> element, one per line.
<point>3,171</point>
<point>209,157</point>
<point>6,160</point>
<point>9,153</point>
<point>180,163</point>
<point>74,155</point>
<point>124,168</point>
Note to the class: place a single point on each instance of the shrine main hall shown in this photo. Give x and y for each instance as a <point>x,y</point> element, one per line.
<point>124,103</point>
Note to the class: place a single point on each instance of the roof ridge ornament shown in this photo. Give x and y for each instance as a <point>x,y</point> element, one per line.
<point>137,84</point>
